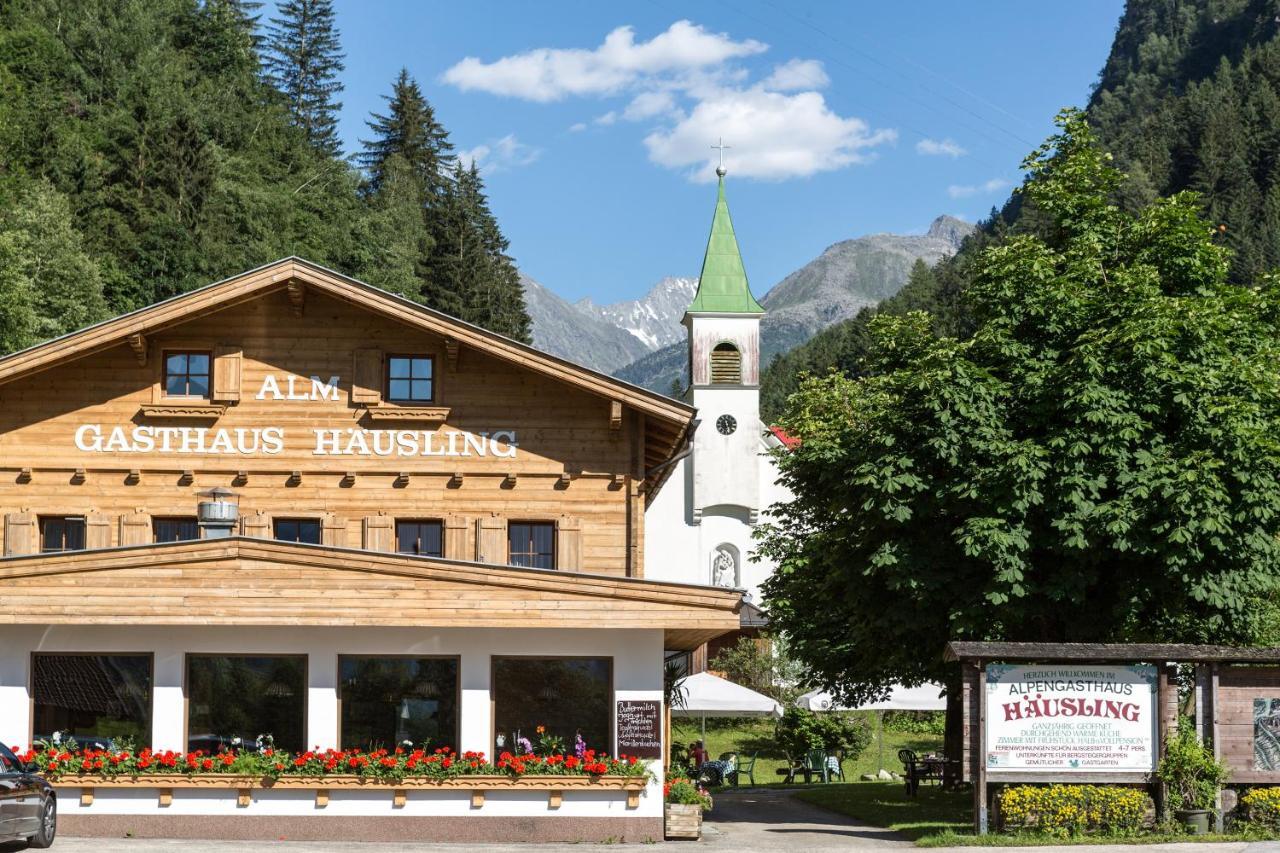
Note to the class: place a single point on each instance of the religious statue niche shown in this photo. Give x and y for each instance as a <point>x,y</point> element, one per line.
<point>724,566</point>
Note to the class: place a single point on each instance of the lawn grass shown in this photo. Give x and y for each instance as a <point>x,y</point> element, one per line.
<point>930,813</point>
<point>938,818</point>
<point>745,736</point>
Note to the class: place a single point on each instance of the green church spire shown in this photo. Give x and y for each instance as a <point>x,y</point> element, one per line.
<point>722,287</point>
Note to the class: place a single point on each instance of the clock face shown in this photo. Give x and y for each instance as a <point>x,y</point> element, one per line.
<point>725,424</point>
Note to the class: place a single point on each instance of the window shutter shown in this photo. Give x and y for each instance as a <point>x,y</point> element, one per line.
<point>569,544</point>
<point>258,524</point>
<point>726,365</point>
<point>379,532</point>
<point>457,544</point>
<point>21,534</point>
<point>97,530</point>
<point>366,381</point>
<point>227,363</point>
<point>333,530</point>
<point>491,540</point>
<point>135,528</point>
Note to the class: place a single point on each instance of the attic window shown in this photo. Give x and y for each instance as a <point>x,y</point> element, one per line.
<point>726,365</point>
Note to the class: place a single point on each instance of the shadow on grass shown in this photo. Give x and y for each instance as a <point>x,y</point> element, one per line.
<point>932,812</point>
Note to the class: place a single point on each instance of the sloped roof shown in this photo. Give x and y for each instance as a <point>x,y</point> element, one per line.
<point>667,420</point>
<point>722,286</point>
<point>248,581</point>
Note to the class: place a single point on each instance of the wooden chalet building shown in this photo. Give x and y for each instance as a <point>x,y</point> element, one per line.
<point>294,504</point>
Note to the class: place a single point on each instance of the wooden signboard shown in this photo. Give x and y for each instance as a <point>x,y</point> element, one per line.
<point>640,728</point>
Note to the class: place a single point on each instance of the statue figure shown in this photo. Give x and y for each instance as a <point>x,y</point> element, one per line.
<point>724,568</point>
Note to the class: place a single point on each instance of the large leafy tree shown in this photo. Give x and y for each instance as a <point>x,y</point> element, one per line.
<point>1098,461</point>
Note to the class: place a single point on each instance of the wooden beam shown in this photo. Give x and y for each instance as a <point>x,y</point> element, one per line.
<point>451,347</point>
<point>86,797</point>
<point>633,799</point>
<point>477,799</point>
<point>615,415</point>
<point>322,797</point>
<point>166,797</point>
<point>138,343</point>
<point>297,296</point>
<point>398,798</point>
<point>243,797</point>
<point>555,799</point>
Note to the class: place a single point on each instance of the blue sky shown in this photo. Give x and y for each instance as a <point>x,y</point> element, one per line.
<point>593,121</point>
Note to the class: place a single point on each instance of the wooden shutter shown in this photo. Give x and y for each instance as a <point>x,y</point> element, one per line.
<point>258,524</point>
<point>135,528</point>
<point>21,534</point>
<point>379,532</point>
<point>491,540</point>
<point>227,363</point>
<point>726,365</point>
<point>97,530</point>
<point>568,544</point>
<point>457,542</point>
<point>333,530</point>
<point>366,377</point>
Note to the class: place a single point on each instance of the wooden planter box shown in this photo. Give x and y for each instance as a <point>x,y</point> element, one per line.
<point>683,821</point>
<point>554,786</point>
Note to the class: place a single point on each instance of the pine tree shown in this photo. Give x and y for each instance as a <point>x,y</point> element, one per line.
<point>410,130</point>
<point>304,59</point>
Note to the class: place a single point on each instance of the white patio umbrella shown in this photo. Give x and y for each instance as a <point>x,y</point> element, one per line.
<point>923,698</point>
<point>706,695</point>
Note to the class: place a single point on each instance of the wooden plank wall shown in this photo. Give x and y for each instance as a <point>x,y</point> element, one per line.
<point>560,430</point>
<point>1238,686</point>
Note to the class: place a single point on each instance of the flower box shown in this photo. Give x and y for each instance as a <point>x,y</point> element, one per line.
<point>683,821</point>
<point>165,783</point>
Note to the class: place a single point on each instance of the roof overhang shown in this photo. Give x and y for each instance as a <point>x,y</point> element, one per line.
<point>666,420</point>
<point>248,581</point>
<point>1008,652</point>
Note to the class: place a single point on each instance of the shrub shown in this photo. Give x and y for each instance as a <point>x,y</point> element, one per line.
<point>1188,767</point>
<point>685,792</point>
<point>1260,808</point>
<point>800,730</point>
<point>916,722</point>
<point>1063,810</point>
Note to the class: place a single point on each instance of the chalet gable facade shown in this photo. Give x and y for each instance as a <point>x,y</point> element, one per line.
<point>292,504</point>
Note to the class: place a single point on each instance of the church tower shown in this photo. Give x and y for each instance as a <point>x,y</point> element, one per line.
<point>724,373</point>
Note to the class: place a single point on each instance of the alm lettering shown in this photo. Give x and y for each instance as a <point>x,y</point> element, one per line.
<point>318,389</point>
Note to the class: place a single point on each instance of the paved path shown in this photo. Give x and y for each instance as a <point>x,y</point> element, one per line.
<point>744,821</point>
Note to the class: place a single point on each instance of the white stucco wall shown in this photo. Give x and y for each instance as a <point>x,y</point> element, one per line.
<point>637,674</point>
<point>676,549</point>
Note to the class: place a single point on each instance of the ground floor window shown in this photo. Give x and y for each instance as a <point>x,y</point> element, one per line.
<point>568,697</point>
<point>387,701</point>
<point>233,699</point>
<point>95,699</point>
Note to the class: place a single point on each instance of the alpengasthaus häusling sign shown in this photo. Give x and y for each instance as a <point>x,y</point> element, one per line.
<point>1063,718</point>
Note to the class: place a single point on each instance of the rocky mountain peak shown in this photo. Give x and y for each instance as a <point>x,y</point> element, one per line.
<point>950,229</point>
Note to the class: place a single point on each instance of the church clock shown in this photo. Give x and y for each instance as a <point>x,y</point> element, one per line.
<point>726,424</point>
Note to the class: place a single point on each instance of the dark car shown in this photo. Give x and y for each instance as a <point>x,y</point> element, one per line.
<point>28,805</point>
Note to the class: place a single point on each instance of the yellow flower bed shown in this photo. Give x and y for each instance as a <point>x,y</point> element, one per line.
<point>1262,807</point>
<point>1063,810</point>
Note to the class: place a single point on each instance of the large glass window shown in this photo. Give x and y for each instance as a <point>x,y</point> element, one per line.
<point>298,530</point>
<point>243,696</point>
<point>186,374</point>
<point>567,696</point>
<point>96,699</point>
<point>425,538</point>
<point>175,529</point>
<point>389,700</point>
<point>61,533</point>
<point>531,544</point>
<point>410,379</point>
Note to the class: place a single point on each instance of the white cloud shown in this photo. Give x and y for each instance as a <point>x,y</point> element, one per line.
<point>505,153</point>
<point>578,127</point>
<point>550,74</point>
<point>985,188</point>
<point>650,104</point>
<point>773,136</point>
<point>797,74</point>
<point>940,148</point>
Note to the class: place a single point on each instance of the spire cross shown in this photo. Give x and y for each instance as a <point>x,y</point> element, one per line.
<point>721,147</point>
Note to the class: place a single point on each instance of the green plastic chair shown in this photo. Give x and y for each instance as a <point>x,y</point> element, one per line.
<point>815,763</point>
<point>747,767</point>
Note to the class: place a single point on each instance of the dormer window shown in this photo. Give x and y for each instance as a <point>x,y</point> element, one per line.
<point>186,374</point>
<point>410,379</point>
<point>726,365</point>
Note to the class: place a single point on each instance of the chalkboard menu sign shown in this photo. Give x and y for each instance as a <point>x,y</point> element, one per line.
<point>640,728</point>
